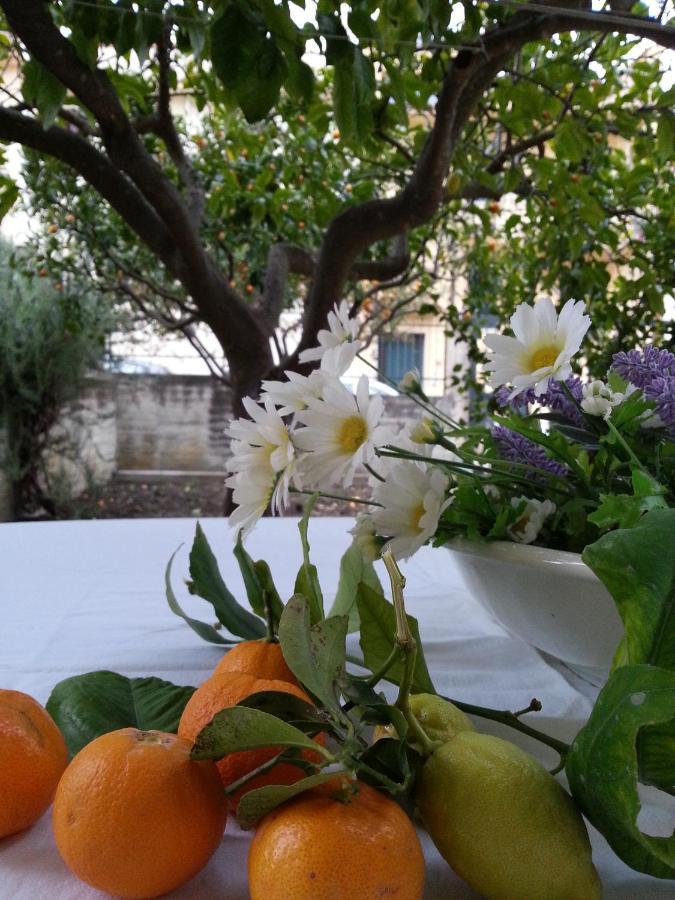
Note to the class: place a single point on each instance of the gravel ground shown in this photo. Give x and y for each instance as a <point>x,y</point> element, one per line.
<point>170,497</point>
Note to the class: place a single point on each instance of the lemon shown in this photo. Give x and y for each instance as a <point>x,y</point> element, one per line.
<point>440,719</point>
<point>504,823</point>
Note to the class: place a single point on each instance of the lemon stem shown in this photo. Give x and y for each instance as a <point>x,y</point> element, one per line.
<point>407,648</point>
<point>506,717</point>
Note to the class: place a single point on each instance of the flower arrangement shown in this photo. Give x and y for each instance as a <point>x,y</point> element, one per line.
<point>562,460</point>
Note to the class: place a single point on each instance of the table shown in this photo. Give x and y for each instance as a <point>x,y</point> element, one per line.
<point>80,596</point>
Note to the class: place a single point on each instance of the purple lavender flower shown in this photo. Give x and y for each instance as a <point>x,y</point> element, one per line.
<point>556,398</point>
<point>661,390</point>
<point>640,367</point>
<point>516,448</point>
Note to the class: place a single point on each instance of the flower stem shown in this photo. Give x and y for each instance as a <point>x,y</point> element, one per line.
<point>619,438</point>
<point>407,648</point>
<point>294,490</point>
<point>424,404</point>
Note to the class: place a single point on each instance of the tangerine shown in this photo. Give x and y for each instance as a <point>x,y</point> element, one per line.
<point>33,755</point>
<point>260,658</point>
<point>227,689</point>
<point>135,816</point>
<point>356,844</point>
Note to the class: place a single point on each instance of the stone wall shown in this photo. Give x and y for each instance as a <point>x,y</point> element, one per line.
<point>83,443</point>
<point>172,422</point>
<point>149,423</point>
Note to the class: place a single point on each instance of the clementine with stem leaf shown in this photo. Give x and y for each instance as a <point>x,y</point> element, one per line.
<point>342,839</point>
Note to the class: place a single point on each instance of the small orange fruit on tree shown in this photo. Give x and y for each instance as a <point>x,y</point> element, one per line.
<point>341,839</point>
<point>135,816</point>
<point>226,690</point>
<point>262,658</point>
<point>33,755</point>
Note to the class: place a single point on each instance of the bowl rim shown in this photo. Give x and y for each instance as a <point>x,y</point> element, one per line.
<point>522,554</point>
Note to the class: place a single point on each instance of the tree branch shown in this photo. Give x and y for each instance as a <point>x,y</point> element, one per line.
<point>99,172</point>
<point>32,22</point>
<point>471,72</point>
<point>284,259</point>
<point>239,332</point>
<point>166,129</point>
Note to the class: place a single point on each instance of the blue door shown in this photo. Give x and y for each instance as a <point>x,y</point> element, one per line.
<point>398,353</point>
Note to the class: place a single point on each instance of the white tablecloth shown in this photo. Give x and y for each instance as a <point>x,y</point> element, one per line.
<point>80,596</point>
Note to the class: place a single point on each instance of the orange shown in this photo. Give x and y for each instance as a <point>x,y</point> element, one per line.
<point>360,846</point>
<point>260,658</point>
<point>33,755</point>
<point>135,816</point>
<point>225,690</point>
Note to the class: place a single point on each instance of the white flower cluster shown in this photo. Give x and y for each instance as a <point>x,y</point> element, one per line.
<point>312,432</point>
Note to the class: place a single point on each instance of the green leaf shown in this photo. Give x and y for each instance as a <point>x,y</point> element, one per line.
<point>9,193</point>
<point>258,93</point>
<point>40,88</point>
<point>314,653</point>
<point>257,803</point>
<point>354,568</point>
<point>288,708</point>
<point>205,631</point>
<point>307,579</point>
<point>270,593</point>
<point>207,583</point>
<point>571,141</point>
<point>665,136</point>
<point>637,566</point>
<point>86,706</point>
<point>378,627</point>
<point>602,766</point>
<point>240,728</point>
<point>354,85</point>
<point>260,587</point>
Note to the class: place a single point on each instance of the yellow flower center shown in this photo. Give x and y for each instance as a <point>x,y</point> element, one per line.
<point>352,433</point>
<point>416,514</point>
<point>544,356</point>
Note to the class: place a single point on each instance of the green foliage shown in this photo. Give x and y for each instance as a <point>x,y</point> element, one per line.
<point>561,183</point>
<point>602,767</point>
<point>49,338</point>
<point>86,706</point>
<point>314,653</point>
<point>637,566</point>
<point>378,626</point>
<point>207,583</point>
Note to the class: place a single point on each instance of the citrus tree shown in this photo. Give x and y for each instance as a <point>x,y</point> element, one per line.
<point>437,112</point>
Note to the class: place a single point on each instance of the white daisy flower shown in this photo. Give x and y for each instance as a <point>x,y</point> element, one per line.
<point>291,396</point>
<point>527,527</point>
<point>262,440</point>
<point>253,492</point>
<point>542,348</point>
<point>341,331</point>
<point>336,360</point>
<point>341,432</point>
<point>413,498</point>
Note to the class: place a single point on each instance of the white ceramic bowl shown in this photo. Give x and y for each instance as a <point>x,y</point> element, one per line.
<point>549,598</point>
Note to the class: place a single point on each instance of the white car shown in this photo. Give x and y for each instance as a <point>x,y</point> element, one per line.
<point>376,387</point>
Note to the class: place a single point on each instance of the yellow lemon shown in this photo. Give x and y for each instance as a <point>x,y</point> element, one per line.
<point>504,823</point>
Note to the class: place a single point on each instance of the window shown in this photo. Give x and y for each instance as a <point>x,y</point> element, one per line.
<point>399,353</point>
